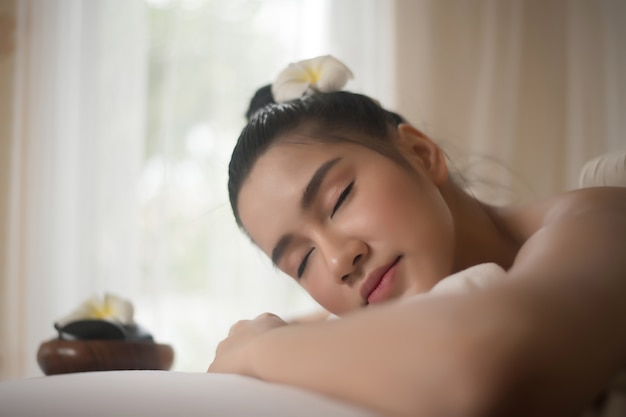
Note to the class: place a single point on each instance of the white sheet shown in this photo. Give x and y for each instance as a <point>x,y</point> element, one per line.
<point>162,393</point>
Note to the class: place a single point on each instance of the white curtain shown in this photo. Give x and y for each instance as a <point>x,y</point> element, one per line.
<point>362,33</point>
<point>520,92</point>
<point>78,109</point>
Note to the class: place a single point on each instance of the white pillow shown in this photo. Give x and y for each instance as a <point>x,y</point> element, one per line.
<point>607,169</point>
<point>162,393</point>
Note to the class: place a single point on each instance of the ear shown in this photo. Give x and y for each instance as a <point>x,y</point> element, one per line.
<point>419,149</point>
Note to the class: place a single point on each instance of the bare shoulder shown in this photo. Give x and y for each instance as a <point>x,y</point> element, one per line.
<point>587,201</point>
<point>584,229</point>
<point>522,222</point>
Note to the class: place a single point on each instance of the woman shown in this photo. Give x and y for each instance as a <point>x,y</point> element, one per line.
<point>360,208</point>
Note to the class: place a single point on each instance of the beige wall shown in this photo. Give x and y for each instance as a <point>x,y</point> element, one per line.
<point>7,61</point>
<point>527,90</point>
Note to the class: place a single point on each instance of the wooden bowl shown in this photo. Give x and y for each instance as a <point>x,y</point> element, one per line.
<point>64,356</point>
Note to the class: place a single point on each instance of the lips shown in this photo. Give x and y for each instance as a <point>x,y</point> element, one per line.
<point>372,289</point>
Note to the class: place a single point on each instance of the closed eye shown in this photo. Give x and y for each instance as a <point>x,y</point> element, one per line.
<point>302,266</point>
<point>344,194</point>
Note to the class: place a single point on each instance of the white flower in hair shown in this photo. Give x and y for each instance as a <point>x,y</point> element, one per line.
<point>323,74</point>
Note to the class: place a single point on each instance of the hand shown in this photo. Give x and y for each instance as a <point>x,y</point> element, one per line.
<point>231,354</point>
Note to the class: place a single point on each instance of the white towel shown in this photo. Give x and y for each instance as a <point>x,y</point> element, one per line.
<point>470,279</point>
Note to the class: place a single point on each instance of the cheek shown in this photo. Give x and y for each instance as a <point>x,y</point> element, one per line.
<point>432,240</point>
<point>413,219</point>
<point>386,209</point>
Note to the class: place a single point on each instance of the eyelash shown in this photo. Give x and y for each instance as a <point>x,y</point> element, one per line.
<point>303,264</point>
<point>342,197</point>
<point>344,194</point>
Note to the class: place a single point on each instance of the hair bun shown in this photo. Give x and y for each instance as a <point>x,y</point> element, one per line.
<point>261,98</point>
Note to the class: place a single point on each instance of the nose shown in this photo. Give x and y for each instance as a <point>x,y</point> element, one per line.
<point>343,256</point>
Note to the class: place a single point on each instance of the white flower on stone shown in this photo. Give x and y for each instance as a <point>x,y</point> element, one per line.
<point>323,74</point>
<point>109,307</point>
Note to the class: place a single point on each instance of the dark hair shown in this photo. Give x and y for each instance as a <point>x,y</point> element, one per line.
<point>327,115</point>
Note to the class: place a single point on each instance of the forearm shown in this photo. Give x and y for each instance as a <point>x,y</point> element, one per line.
<point>435,355</point>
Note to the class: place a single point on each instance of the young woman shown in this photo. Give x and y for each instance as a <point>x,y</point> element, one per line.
<point>360,208</point>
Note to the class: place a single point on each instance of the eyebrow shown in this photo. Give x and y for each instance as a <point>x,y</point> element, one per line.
<point>313,187</point>
<point>308,196</point>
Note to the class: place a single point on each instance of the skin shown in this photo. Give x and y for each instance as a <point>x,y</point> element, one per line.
<point>545,341</point>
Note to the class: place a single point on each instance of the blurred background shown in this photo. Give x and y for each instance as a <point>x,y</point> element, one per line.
<point>117,120</point>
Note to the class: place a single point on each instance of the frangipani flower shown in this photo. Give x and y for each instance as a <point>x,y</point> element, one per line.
<point>111,307</point>
<point>322,74</point>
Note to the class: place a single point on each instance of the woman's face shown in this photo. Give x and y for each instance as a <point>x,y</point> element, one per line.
<point>352,226</point>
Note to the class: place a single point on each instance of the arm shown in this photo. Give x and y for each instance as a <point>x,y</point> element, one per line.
<point>572,274</point>
<point>409,358</point>
<point>541,343</point>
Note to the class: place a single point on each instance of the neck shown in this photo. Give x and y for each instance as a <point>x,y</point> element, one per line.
<point>480,236</point>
